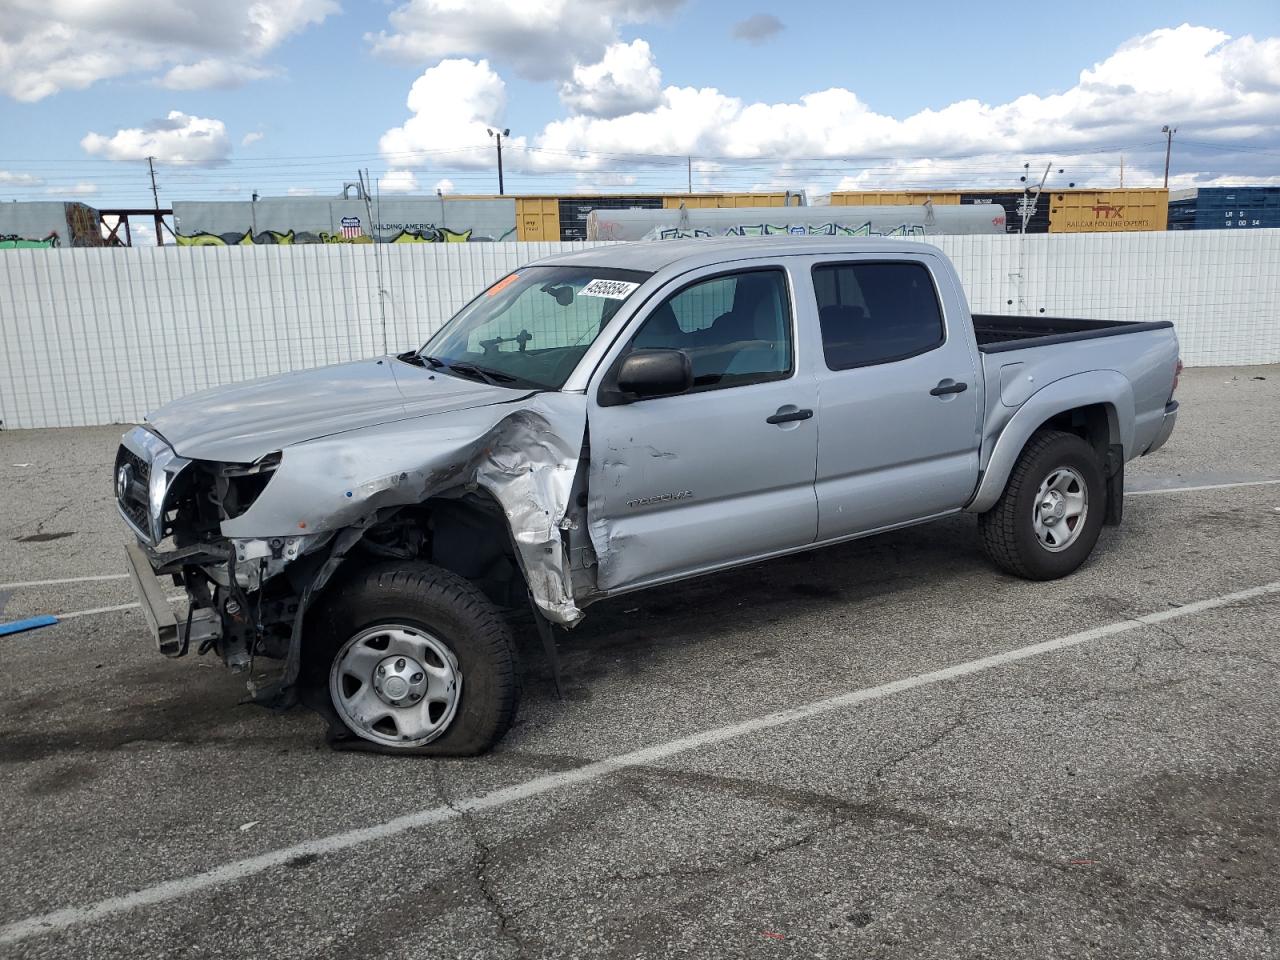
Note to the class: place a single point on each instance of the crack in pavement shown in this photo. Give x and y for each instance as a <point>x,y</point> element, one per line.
<point>846,813</point>
<point>480,867</point>
<point>874,783</point>
<point>735,866</point>
<point>57,512</point>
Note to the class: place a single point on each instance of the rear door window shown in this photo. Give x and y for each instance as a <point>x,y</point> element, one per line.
<point>876,312</point>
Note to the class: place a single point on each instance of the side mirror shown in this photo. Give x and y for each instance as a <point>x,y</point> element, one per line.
<point>655,373</point>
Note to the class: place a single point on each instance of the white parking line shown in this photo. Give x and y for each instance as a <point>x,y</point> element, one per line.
<point>49,583</point>
<point>1205,486</point>
<point>121,606</point>
<point>240,869</point>
<point>87,613</point>
<point>72,614</point>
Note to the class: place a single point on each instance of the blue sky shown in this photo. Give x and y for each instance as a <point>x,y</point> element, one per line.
<point>610,94</point>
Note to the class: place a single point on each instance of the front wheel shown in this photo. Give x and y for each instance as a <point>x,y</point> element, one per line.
<point>414,660</point>
<point>1047,521</point>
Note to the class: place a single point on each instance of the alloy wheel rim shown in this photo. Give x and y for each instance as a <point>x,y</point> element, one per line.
<point>1060,509</point>
<point>396,684</point>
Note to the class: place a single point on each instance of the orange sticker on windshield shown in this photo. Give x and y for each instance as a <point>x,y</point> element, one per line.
<point>502,284</point>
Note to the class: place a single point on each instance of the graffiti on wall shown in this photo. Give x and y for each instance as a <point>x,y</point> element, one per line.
<point>49,225</point>
<point>273,237</point>
<point>428,233</point>
<point>11,241</point>
<point>84,225</point>
<point>351,230</point>
<point>792,229</point>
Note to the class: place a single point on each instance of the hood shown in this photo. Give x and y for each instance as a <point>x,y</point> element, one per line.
<point>245,421</point>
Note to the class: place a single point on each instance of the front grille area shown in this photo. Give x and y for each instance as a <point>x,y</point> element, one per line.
<point>132,483</point>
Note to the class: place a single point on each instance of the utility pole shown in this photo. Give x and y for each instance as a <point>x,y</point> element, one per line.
<point>155,195</point>
<point>504,133</point>
<point>1168,132</point>
<point>689,160</point>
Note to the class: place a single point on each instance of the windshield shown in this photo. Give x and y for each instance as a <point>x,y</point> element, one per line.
<point>532,327</point>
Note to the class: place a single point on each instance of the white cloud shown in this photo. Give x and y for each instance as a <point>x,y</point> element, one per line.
<point>444,185</point>
<point>540,39</point>
<point>178,139</point>
<point>213,73</point>
<point>52,45</point>
<point>453,105</point>
<point>1229,88</point>
<point>19,179</point>
<point>251,138</point>
<point>758,28</point>
<point>81,189</point>
<point>626,80</point>
<point>142,232</point>
<point>399,181</point>
<point>603,182</point>
<point>301,192</point>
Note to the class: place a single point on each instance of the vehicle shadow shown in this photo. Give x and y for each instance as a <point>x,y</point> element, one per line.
<point>622,634</point>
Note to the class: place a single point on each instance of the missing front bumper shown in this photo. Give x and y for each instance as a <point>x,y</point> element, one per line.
<point>173,638</point>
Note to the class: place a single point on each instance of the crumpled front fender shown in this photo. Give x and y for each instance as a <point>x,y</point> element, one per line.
<point>524,454</point>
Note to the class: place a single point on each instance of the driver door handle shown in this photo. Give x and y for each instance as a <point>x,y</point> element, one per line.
<point>781,417</point>
<point>943,388</point>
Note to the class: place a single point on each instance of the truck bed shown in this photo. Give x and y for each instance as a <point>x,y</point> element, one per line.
<point>998,333</point>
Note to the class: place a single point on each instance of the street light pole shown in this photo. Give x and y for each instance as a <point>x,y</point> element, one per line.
<point>499,136</point>
<point>1168,131</point>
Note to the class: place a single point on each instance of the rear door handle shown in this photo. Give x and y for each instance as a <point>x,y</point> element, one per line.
<point>793,415</point>
<point>943,388</point>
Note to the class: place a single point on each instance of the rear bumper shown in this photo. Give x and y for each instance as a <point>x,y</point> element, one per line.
<point>1166,427</point>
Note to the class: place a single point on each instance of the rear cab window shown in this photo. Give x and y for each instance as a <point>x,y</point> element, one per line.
<point>876,312</point>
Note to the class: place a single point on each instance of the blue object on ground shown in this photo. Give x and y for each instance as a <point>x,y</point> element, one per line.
<point>32,623</point>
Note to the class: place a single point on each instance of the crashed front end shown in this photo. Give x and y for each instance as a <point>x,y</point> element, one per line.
<point>253,544</point>
<point>238,604</point>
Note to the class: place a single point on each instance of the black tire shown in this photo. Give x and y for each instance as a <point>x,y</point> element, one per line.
<point>454,612</point>
<point>1008,533</point>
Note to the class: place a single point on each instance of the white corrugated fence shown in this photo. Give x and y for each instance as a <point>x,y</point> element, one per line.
<point>93,336</point>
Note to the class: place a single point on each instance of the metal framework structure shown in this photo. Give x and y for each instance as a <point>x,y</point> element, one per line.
<point>113,238</point>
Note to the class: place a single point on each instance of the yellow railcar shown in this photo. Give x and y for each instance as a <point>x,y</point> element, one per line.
<point>1095,211</point>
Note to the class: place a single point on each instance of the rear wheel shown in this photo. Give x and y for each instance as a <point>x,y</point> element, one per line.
<point>1046,522</point>
<point>414,660</point>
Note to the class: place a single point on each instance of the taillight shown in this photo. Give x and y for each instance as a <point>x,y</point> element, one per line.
<point>1177,375</point>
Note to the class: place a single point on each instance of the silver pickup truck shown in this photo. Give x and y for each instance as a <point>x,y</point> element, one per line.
<point>358,537</point>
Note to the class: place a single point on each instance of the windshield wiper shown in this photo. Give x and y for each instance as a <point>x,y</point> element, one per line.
<point>492,377</point>
<point>414,358</point>
<point>483,374</point>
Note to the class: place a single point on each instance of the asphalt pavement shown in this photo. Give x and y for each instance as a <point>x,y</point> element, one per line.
<point>883,749</point>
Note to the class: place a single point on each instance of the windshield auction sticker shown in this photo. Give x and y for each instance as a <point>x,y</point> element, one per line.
<point>502,284</point>
<point>613,289</point>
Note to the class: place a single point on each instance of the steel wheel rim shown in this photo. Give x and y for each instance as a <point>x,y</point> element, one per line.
<point>1060,509</point>
<point>396,685</point>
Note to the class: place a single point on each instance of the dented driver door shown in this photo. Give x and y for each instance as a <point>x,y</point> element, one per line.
<point>724,472</point>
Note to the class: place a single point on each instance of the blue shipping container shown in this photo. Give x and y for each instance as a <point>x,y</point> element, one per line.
<point>1235,208</point>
